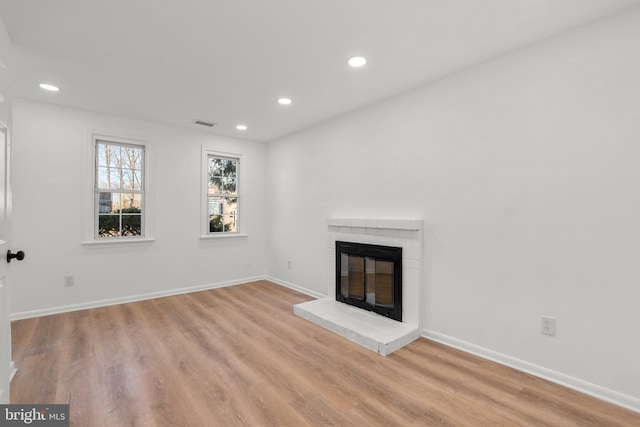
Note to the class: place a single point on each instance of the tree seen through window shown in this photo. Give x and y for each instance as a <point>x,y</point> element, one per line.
<point>222,194</point>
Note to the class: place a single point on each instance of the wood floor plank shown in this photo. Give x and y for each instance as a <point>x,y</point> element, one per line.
<point>316,409</point>
<point>36,379</point>
<point>237,356</point>
<point>25,329</point>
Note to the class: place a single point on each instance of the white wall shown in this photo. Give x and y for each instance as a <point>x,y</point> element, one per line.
<point>526,171</point>
<point>51,169</point>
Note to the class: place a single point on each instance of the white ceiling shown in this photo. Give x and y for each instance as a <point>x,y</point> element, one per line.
<point>228,61</point>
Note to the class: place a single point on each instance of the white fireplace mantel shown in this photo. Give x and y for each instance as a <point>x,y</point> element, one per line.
<point>383,224</point>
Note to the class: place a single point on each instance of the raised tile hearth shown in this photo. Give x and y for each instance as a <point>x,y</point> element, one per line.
<point>368,329</point>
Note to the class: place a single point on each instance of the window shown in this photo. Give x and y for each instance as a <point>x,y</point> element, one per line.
<point>119,189</point>
<point>221,193</point>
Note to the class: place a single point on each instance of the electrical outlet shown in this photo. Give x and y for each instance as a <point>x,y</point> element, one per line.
<point>289,265</point>
<point>548,326</point>
<point>68,280</point>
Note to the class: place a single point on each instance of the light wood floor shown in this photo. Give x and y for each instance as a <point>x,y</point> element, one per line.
<point>237,356</point>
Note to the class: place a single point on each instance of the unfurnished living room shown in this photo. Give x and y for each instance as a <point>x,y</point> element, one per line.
<point>331,212</point>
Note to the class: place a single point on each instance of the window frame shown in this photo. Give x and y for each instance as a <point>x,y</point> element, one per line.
<point>205,232</point>
<point>92,238</point>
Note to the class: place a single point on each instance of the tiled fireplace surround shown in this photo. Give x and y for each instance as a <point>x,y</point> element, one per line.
<point>371,330</point>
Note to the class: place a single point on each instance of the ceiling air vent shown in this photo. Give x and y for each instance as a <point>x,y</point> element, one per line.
<point>203,123</point>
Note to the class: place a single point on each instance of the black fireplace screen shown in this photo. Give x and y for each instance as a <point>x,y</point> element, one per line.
<point>370,277</point>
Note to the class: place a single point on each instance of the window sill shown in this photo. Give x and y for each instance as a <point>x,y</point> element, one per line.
<point>224,236</point>
<point>118,242</point>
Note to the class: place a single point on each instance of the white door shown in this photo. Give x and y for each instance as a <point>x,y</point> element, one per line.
<point>5,224</point>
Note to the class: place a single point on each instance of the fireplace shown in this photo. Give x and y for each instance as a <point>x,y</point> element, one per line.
<point>396,326</point>
<point>370,277</point>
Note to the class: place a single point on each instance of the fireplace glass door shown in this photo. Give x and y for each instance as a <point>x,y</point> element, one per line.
<point>369,277</point>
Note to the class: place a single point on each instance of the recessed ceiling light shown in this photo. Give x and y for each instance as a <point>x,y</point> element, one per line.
<point>241,127</point>
<point>357,61</point>
<point>50,88</point>
<point>284,101</point>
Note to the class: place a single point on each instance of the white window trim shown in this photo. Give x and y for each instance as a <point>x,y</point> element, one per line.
<point>90,238</point>
<point>204,197</point>
<point>124,241</point>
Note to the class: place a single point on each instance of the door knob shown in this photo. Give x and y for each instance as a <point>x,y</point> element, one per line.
<point>18,255</point>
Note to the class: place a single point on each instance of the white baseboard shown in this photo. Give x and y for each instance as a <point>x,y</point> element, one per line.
<point>132,298</point>
<point>296,287</point>
<point>577,384</point>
